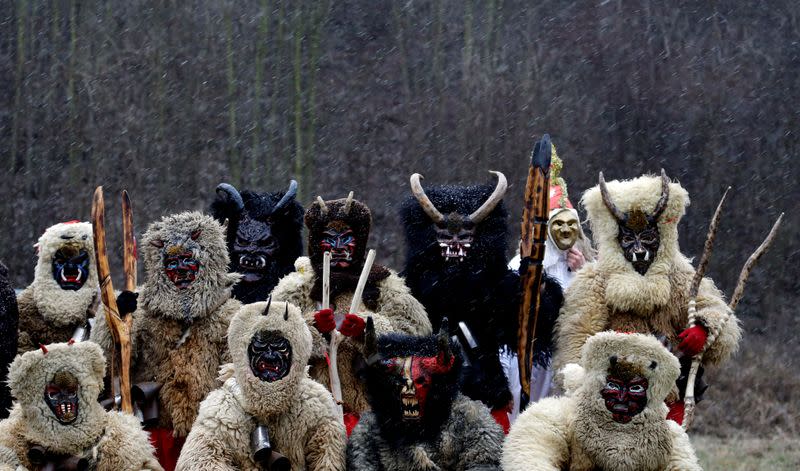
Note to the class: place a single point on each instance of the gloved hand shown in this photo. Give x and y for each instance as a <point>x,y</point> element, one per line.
<point>693,340</point>
<point>324,321</point>
<point>127,302</point>
<point>352,325</point>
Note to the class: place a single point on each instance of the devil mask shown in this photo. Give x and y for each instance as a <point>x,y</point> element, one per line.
<point>340,227</point>
<point>455,231</point>
<point>625,391</point>
<point>61,395</point>
<point>71,267</point>
<point>270,353</point>
<point>638,234</point>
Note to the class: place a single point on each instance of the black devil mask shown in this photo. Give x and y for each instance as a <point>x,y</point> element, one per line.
<point>342,227</point>
<point>638,234</point>
<point>71,267</point>
<point>455,231</point>
<point>61,396</point>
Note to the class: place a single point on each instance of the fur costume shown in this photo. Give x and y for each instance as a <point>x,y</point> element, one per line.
<point>386,298</point>
<point>48,313</point>
<point>577,432</point>
<point>479,290</point>
<point>297,411</point>
<point>610,295</point>
<point>264,237</point>
<point>451,432</point>
<point>108,441</point>
<point>178,337</point>
<point>9,319</point>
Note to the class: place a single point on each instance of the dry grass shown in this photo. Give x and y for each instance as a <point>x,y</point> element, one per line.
<point>747,453</point>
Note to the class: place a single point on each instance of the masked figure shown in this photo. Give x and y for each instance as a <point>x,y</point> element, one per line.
<point>268,408</point>
<point>63,297</point>
<point>9,319</point>
<point>456,265</point>
<point>179,328</point>
<point>418,419</point>
<point>641,281</point>
<point>342,228</point>
<point>612,418</point>
<point>264,237</point>
<point>57,422</point>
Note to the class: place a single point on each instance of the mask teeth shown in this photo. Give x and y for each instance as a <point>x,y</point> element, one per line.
<point>647,256</point>
<point>635,258</point>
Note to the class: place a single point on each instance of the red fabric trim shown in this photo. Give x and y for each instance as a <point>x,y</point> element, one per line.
<point>168,447</point>
<point>350,421</point>
<point>675,413</point>
<point>501,417</point>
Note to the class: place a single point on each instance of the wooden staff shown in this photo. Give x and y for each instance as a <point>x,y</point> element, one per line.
<point>119,329</point>
<point>333,346</point>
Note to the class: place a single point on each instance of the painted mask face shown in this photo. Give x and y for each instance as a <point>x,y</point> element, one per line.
<point>270,356</point>
<point>338,239</point>
<point>639,242</point>
<point>71,267</point>
<point>455,237</point>
<point>564,229</point>
<point>625,398</point>
<point>61,395</point>
<point>416,375</point>
<point>253,248</point>
<point>181,268</point>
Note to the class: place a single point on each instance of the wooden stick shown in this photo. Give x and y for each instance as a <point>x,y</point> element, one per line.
<point>362,281</point>
<point>333,369</point>
<point>117,327</point>
<point>751,261</point>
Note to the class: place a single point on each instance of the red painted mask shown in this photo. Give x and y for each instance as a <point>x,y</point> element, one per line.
<point>181,269</point>
<point>625,398</point>
<point>418,375</point>
<point>338,239</point>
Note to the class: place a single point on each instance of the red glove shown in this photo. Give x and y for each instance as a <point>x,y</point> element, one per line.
<point>324,321</point>
<point>693,340</point>
<point>352,325</point>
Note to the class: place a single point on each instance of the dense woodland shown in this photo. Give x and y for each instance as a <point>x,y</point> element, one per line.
<point>167,99</point>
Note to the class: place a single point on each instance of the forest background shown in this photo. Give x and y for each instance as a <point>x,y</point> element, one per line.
<point>167,99</point>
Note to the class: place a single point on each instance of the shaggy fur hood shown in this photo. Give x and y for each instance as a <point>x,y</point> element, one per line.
<point>213,284</point>
<point>286,320</point>
<point>28,377</point>
<point>58,306</point>
<point>626,290</point>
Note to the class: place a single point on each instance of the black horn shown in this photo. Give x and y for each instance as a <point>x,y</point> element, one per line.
<point>370,342</point>
<point>443,339</point>
<point>229,194</point>
<point>269,303</point>
<point>287,197</point>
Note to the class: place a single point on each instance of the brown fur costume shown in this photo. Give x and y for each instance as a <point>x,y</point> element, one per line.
<point>577,432</point>
<point>610,295</point>
<point>386,297</point>
<point>179,335</point>
<point>297,410</point>
<point>47,313</point>
<point>109,441</point>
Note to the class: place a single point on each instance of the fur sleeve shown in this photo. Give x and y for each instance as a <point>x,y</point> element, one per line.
<point>538,441</point>
<point>714,314</point>
<point>362,449</point>
<point>406,314</point>
<point>324,448</point>
<point>682,457</point>
<point>480,438</point>
<point>125,446</point>
<point>583,315</point>
<point>218,434</point>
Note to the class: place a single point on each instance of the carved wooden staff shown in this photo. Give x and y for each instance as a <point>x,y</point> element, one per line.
<point>689,399</point>
<point>531,250</point>
<point>118,327</point>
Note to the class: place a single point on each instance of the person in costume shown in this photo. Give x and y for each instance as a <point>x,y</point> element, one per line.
<point>267,391</point>
<point>178,337</point>
<point>264,236</point>
<point>456,265</point>
<point>641,280</point>
<point>64,294</point>
<point>57,423</point>
<point>342,228</point>
<point>567,249</point>
<point>612,417</point>
<point>9,320</point>
<point>419,420</point>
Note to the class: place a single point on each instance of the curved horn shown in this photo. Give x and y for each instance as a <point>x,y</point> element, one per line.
<point>370,342</point>
<point>287,197</point>
<point>494,199</point>
<point>662,202</point>
<point>424,201</point>
<point>269,303</point>
<point>227,192</point>
<point>323,208</point>
<point>348,203</point>
<point>286,311</point>
<point>443,339</point>
<point>618,215</point>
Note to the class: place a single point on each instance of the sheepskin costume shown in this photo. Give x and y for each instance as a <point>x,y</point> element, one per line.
<point>451,432</point>
<point>48,313</point>
<point>297,411</point>
<point>179,335</point>
<point>386,298</point>
<point>578,433</point>
<point>108,441</point>
<point>610,295</point>
<point>9,318</point>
